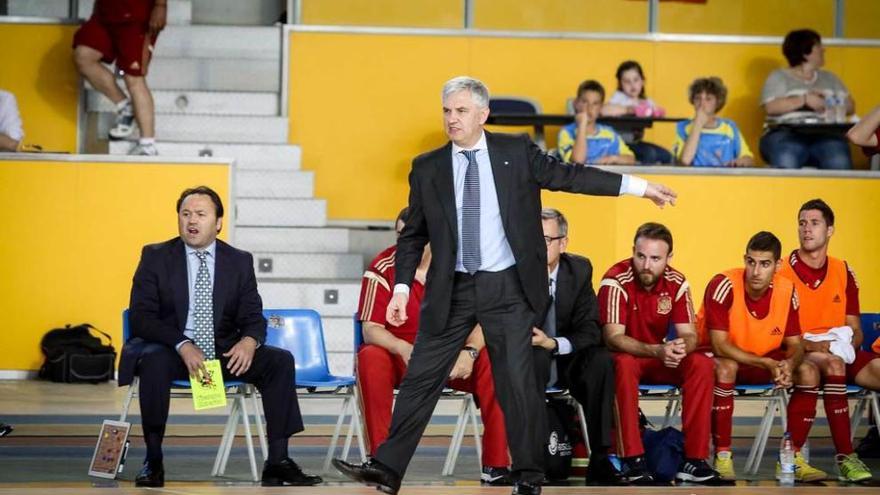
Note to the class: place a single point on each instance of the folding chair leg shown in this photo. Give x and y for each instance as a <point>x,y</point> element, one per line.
<point>251,391</point>
<point>757,450</point>
<point>582,418</point>
<point>352,426</point>
<point>472,409</point>
<point>226,441</point>
<point>248,439</point>
<point>671,409</point>
<point>333,440</point>
<point>126,404</point>
<point>457,437</point>
<point>875,407</point>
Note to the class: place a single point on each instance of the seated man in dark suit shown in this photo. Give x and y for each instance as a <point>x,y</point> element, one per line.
<point>180,317</point>
<point>568,349</point>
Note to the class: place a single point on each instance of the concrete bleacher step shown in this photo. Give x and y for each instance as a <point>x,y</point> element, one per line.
<point>245,42</point>
<point>214,74</point>
<point>274,184</point>
<point>293,239</point>
<point>298,293</point>
<point>281,213</point>
<point>212,128</point>
<point>199,102</point>
<point>307,265</point>
<point>247,156</point>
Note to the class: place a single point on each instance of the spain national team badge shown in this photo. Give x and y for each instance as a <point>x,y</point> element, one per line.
<point>664,305</point>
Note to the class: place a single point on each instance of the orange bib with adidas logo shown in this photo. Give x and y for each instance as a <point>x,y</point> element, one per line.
<point>758,336</point>
<point>824,307</point>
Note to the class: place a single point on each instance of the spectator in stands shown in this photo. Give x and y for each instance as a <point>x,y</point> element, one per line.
<point>194,298</point>
<point>866,133</point>
<point>383,359</point>
<point>630,99</point>
<point>569,352</point>
<point>639,300</point>
<point>750,315</point>
<point>708,140</point>
<point>585,140</point>
<point>11,132</point>
<point>124,32</point>
<point>800,93</point>
<point>829,297</point>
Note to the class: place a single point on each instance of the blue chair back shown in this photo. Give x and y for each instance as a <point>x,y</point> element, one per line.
<point>126,327</point>
<point>358,327</point>
<point>299,331</point>
<point>513,105</point>
<point>871,329</point>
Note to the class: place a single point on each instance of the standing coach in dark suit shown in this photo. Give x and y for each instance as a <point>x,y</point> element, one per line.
<point>195,298</point>
<point>477,200</point>
<point>568,348</point>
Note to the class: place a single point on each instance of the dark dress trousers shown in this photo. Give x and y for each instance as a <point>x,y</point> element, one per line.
<point>588,371</point>
<point>505,303</point>
<point>158,311</point>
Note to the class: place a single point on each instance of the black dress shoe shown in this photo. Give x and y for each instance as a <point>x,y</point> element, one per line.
<point>5,429</point>
<point>526,488</point>
<point>287,473</point>
<point>151,475</point>
<point>371,473</point>
<point>602,472</point>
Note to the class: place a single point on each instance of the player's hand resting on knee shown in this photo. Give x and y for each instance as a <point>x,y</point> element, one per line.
<point>241,356</point>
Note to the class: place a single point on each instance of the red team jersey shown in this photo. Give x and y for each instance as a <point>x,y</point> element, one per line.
<point>647,315</point>
<point>376,290</point>
<point>719,299</point>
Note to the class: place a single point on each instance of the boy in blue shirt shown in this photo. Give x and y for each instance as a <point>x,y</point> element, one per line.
<point>708,140</point>
<point>585,141</point>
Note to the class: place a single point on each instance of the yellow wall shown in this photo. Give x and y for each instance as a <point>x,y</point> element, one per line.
<point>72,239</point>
<point>861,19</point>
<point>409,13</point>
<point>747,17</point>
<point>361,119</point>
<point>40,72</point>
<point>716,216</point>
<point>618,16</point>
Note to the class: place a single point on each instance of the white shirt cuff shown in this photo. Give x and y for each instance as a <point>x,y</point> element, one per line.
<point>180,344</point>
<point>564,346</point>
<point>632,185</point>
<point>401,289</point>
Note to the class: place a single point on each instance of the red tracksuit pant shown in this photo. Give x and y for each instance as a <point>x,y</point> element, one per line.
<point>695,375</point>
<point>380,372</point>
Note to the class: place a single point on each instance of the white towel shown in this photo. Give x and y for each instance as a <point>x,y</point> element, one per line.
<point>841,342</point>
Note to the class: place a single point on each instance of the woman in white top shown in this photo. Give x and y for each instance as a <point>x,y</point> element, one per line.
<point>799,94</point>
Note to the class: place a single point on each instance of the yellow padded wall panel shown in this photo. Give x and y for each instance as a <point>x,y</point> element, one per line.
<point>408,13</point>
<point>612,16</point>
<point>861,19</point>
<point>73,236</point>
<point>747,17</point>
<point>40,72</point>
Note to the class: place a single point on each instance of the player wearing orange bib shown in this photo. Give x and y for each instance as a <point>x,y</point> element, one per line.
<point>830,307</point>
<point>751,316</point>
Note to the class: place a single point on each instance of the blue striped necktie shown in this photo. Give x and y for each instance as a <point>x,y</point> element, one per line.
<point>470,215</point>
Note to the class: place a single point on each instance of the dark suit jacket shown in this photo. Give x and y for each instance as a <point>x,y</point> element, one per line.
<point>577,311</point>
<point>160,301</point>
<point>520,170</point>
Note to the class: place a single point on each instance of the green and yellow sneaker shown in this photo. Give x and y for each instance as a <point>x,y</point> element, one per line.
<point>852,468</point>
<point>724,465</point>
<point>803,472</point>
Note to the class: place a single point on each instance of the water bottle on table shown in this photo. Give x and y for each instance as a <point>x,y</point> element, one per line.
<point>786,461</point>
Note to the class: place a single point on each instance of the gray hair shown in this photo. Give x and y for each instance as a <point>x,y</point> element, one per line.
<point>479,91</point>
<point>554,214</point>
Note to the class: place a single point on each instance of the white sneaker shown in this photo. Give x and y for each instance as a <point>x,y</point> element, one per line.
<point>125,123</point>
<point>144,150</point>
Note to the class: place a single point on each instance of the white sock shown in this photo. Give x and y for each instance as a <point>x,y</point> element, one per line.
<point>122,104</point>
<point>147,141</point>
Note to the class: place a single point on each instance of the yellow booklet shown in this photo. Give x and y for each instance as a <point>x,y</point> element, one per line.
<point>208,390</point>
